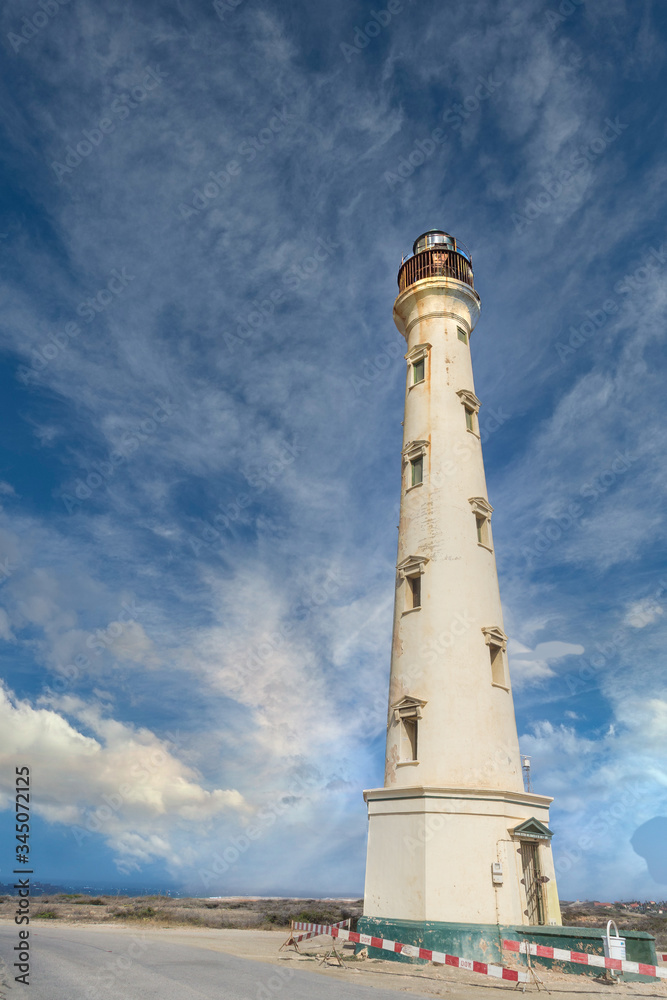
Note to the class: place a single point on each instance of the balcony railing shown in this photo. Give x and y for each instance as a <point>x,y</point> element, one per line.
<point>435,263</point>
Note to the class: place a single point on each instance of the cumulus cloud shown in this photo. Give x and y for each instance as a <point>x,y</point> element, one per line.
<point>114,780</point>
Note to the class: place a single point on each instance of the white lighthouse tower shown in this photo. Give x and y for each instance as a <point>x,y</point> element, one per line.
<point>459,854</point>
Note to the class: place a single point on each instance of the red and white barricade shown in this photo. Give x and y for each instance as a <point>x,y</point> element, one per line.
<point>410,951</point>
<point>584,958</point>
<point>309,931</point>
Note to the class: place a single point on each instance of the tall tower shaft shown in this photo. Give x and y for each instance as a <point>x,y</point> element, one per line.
<point>453,837</point>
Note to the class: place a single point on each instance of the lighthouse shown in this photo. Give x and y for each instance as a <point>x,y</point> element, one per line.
<point>459,854</point>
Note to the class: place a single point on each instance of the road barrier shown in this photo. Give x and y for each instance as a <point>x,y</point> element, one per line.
<point>409,950</point>
<point>310,931</point>
<point>584,958</point>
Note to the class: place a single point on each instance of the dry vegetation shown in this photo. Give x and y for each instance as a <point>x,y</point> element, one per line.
<point>652,923</point>
<point>267,914</point>
<point>259,914</point>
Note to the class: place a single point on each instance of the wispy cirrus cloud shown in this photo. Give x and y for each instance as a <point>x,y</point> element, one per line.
<point>253,530</point>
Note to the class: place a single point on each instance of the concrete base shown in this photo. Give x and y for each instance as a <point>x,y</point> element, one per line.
<point>431,852</point>
<point>482,942</point>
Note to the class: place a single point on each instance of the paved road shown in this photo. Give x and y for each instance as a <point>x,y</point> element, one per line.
<point>72,963</point>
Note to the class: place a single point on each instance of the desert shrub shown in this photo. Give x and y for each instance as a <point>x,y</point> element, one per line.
<point>45,915</point>
<point>211,906</point>
<point>141,913</point>
<point>319,916</point>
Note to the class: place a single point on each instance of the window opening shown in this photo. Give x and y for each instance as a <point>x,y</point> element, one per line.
<point>409,739</point>
<point>415,584</point>
<point>483,530</point>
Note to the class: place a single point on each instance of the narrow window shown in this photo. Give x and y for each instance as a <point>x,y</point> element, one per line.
<point>417,471</point>
<point>409,739</point>
<point>415,584</point>
<point>418,371</point>
<point>483,534</point>
<point>497,665</point>
<point>462,334</point>
<point>470,419</point>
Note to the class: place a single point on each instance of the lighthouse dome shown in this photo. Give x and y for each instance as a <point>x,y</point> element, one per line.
<point>438,237</point>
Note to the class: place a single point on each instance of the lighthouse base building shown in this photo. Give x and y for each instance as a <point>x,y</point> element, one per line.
<point>459,854</point>
<point>462,867</point>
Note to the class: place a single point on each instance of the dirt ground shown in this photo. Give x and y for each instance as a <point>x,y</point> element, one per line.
<point>255,928</point>
<point>422,980</point>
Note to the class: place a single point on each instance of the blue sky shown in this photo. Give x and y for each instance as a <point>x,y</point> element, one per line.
<point>203,211</point>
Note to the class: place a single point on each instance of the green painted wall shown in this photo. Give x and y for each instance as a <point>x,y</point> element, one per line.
<point>481,942</point>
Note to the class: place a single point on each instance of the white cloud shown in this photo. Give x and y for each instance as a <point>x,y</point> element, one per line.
<point>531,665</point>
<point>642,613</point>
<point>605,787</point>
<point>219,577</point>
<point>120,782</point>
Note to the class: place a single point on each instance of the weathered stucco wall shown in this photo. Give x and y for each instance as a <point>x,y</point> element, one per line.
<point>444,818</point>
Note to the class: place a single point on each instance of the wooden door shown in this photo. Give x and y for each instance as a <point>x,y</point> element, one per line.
<point>532,879</point>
